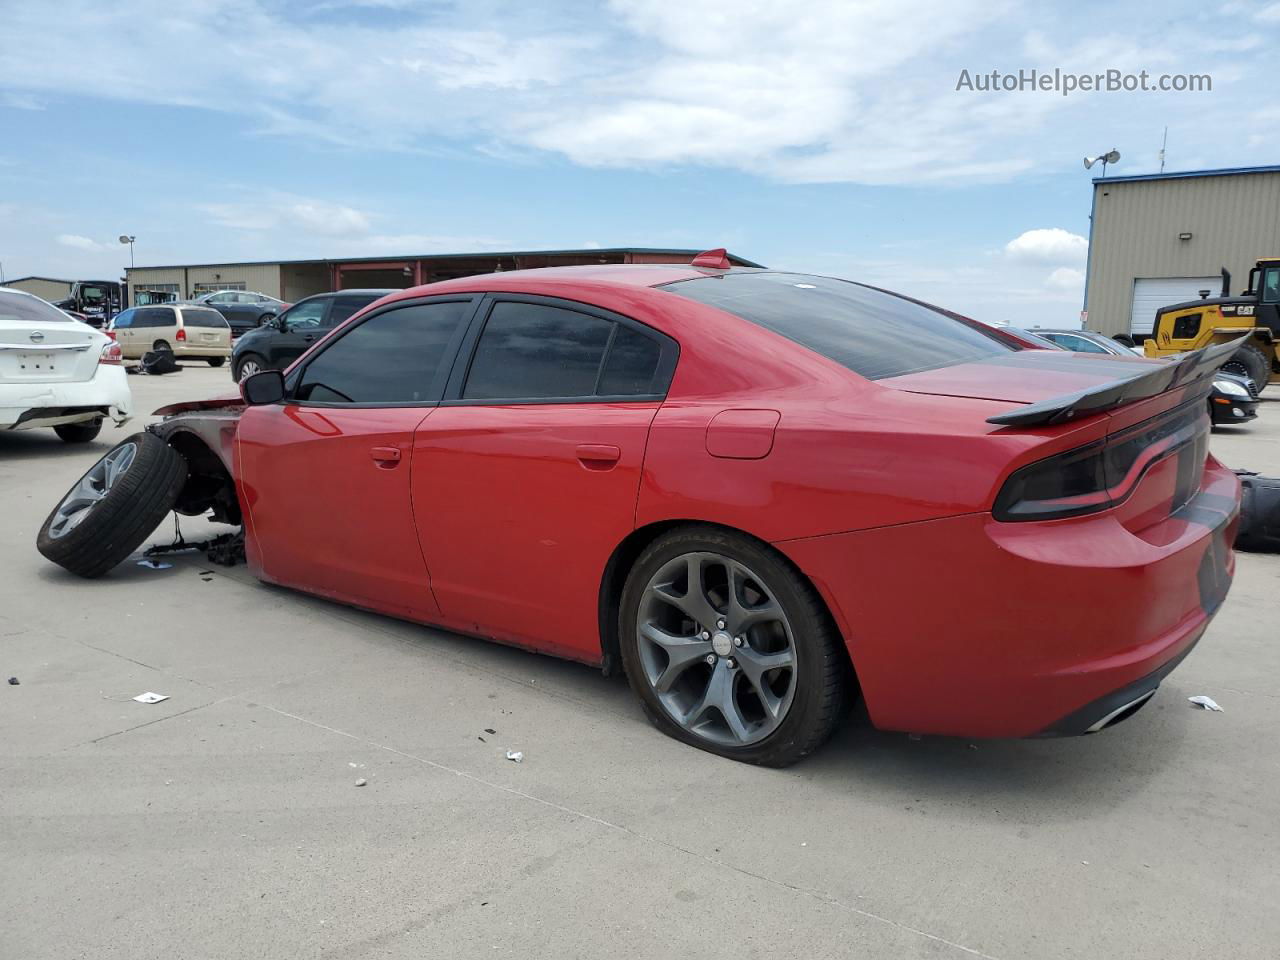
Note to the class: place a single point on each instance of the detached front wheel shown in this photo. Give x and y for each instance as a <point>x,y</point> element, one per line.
<point>729,649</point>
<point>114,507</point>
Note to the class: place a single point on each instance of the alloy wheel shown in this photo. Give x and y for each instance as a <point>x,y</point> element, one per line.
<point>717,649</point>
<point>91,489</point>
<point>248,369</point>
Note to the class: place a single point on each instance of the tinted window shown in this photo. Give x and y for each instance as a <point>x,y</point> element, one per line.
<point>631,366</point>
<point>200,317</point>
<point>122,320</point>
<point>20,307</point>
<point>529,351</point>
<point>395,357</point>
<point>873,333</point>
<point>345,307</point>
<point>155,317</point>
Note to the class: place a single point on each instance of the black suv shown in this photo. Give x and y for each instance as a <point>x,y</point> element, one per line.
<point>279,342</point>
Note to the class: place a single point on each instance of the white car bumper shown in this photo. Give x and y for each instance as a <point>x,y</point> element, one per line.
<point>24,405</point>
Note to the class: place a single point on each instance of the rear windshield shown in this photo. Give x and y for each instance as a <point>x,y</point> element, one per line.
<point>24,309</point>
<point>202,317</point>
<point>873,333</point>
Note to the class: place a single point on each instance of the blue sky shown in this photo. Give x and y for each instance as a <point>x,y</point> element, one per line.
<point>820,136</point>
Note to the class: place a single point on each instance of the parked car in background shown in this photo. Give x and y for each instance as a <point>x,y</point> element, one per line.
<point>189,331</point>
<point>734,486</point>
<point>1086,341</point>
<point>280,342</point>
<point>1230,400</point>
<point>57,372</point>
<point>244,310</point>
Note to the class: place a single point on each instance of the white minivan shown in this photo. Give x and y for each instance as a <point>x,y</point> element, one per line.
<point>188,331</point>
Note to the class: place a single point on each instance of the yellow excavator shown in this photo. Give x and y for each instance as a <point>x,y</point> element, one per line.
<point>1198,323</point>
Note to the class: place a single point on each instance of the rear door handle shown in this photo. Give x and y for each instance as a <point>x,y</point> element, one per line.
<point>385,456</point>
<point>598,456</point>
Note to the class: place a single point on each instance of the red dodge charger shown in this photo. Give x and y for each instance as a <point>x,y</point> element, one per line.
<point>760,494</point>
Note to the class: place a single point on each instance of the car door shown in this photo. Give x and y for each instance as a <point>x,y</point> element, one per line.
<point>121,329</point>
<point>326,473</point>
<point>300,326</point>
<point>526,477</point>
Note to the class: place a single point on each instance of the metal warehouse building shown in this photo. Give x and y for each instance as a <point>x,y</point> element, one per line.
<point>1157,239</point>
<point>291,280</point>
<point>47,288</point>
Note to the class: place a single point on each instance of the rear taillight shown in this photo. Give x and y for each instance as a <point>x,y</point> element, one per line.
<point>110,333</point>
<point>182,334</point>
<point>1101,475</point>
<point>111,354</point>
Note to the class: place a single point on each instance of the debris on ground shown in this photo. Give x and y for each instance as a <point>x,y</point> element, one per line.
<point>149,697</point>
<point>154,564</point>
<point>515,756</point>
<point>13,681</point>
<point>489,730</point>
<point>361,782</point>
<point>482,739</point>
<point>1207,702</point>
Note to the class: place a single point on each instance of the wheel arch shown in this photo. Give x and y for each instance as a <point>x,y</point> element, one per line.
<point>209,485</point>
<point>637,541</point>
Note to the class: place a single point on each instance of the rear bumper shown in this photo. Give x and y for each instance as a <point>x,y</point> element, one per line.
<point>201,350</point>
<point>971,627</point>
<point>31,405</point>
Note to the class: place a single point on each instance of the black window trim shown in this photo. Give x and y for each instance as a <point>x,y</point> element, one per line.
<point>335,336</point>
<point>668,356</point>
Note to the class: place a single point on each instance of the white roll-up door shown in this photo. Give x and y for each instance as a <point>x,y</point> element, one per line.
<point>1151,293</point>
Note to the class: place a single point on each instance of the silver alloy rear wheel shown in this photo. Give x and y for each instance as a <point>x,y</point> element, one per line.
<point>717,649</point>
<point>91,490</point>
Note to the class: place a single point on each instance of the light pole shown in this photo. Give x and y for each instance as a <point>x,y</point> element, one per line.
<point>125,238</point>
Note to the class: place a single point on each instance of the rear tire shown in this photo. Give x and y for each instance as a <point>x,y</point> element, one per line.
<point>1251,362</point>
<point>216,361</point>
<point>78,432</point>
<point>123,509</point>
<point>808,689</point>
<point>162,345</point>
<point>265,319</point>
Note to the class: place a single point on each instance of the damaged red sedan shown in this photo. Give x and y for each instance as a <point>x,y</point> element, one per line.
<point>760,494</point>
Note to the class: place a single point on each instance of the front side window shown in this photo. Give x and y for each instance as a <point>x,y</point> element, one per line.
<point>874,333</point>
<point>534,351</point>
<point>395,357</point>
<point>122,320</point>
<point>306,316</point>
<point>1271,285</point>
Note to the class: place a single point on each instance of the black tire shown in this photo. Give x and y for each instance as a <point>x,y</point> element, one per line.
<point>238,368</point>
<point>216,361</point>
<point>1124,340</point>
<point>822,669</point>
<point>125,516</point>
<point>162,345</point>
<point>1249,361</point>
<point>78,432</point>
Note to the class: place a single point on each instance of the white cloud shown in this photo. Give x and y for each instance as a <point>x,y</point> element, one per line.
<point>20,101</point>
<point>77,242</point>
<point>290,213</point>
<point>1268,14</point>
<point>1066,279</point>
<point>1048,245</point>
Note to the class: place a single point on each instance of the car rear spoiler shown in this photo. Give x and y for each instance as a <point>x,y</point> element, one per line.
<point>1193,366</point>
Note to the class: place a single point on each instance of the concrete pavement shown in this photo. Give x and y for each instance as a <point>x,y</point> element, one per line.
<point>225,821</point>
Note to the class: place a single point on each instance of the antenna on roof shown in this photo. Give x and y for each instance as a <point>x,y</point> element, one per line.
<point>1163,143</point>
<point>717,259</point>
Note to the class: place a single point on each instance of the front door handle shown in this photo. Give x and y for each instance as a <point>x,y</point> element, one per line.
<point>598,456</point>
<point>309,337</point>
<point>386,457</point>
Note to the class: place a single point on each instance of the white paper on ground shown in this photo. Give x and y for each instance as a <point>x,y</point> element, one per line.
<point>1207,702</point>
<point>151,697</point>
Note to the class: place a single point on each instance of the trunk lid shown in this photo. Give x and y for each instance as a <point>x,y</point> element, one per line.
<point>48,352</point>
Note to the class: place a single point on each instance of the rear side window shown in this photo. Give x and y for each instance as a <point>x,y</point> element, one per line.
<point>345,307</point>
<point>155,317</point>
<point>873,333</point>
<point>394,357</point>
<point>200,317</point>
<point>533,351</point>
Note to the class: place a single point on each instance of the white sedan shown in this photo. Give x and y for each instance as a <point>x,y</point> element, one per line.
<point>57,372</point>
